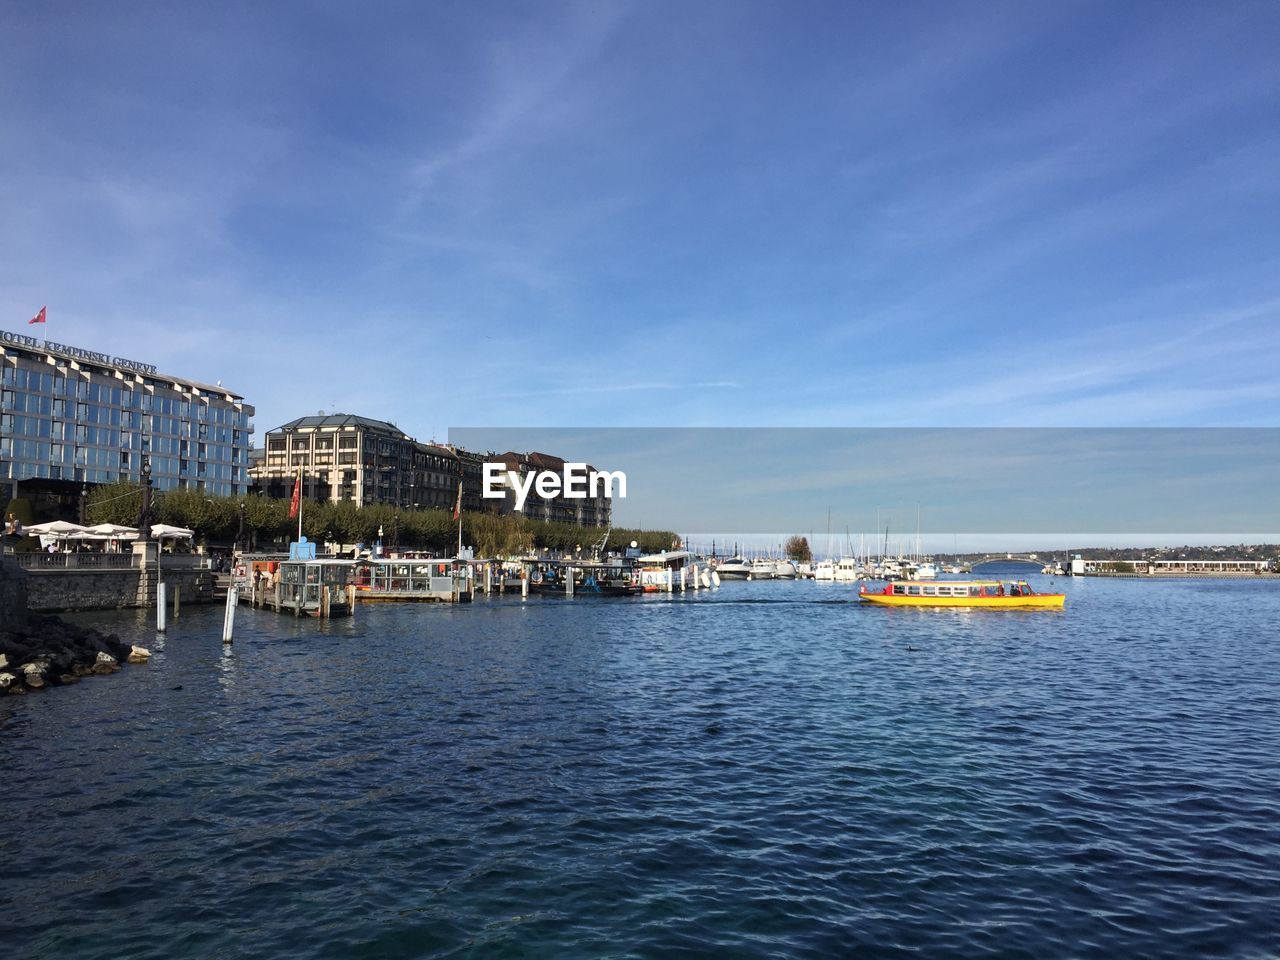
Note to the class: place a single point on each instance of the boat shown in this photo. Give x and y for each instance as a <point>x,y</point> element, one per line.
<point>847,570</point>
<point>926,570</point>
<point>569,578</point>
<point>761,569</point>
<point>785,570</point>
<point>1016,594</point>
<point>735,568</point>
<point>664,572</point>
<point>825,571</point>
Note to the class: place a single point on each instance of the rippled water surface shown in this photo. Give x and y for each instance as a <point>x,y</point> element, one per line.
<point>766,770</point>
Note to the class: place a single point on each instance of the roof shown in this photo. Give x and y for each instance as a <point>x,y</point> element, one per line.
<point>667,556</point>
<point>341,420</point>
<point>130,370</point>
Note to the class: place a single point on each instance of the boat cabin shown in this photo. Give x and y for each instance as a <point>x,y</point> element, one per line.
<point>445,579</point>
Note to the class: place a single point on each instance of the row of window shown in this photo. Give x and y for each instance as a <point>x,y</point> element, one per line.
<point>56,386</point>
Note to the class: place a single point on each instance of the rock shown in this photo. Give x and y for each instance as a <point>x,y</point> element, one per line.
<point>68,678</point>
<point>106,658</point>
<point>35,680</point>
<point>105,669</point>
<point>6,679</point>
<point>4,661</point>
<point>139,654</point>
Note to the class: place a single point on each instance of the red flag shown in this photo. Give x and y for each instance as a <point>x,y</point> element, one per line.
<point>457,505</point>
<point>296,503</point>
<point>38,318</point>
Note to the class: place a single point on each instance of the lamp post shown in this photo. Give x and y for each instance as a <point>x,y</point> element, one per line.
<point>240,530</point>
<point>144,513</point>
<point>84,495</point>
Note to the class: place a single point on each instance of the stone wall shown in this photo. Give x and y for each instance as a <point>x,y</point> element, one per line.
<point>106,589</point>
<point>13,594</point>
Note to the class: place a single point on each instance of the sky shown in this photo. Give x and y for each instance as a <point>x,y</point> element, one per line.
<point>655,213</point>
<point>1035,487</point>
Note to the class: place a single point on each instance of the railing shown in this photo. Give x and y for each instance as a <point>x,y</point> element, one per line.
<point>74,561</point>
<point>103,561</point>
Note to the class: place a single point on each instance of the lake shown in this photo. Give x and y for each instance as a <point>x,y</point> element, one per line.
<point>763,770</point>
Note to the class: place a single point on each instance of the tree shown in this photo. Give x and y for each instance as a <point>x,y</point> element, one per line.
<point>797,549</point>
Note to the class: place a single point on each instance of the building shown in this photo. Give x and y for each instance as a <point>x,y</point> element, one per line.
<point>589,511</point>
<point>69,414</point>
<point>344,457</point>
<point>356,459</point>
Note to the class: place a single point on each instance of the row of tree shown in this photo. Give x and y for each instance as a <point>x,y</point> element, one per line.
<point>260,522</point>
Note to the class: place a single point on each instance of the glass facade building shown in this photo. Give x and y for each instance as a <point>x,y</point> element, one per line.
<point>69,414</point>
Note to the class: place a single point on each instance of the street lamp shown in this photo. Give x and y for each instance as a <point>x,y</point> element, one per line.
<point>240,528</point>
<point>144,514</point>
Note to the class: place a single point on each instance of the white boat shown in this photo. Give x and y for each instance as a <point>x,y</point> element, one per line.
<point>784,570</point>
<point>926,570</point>
<point>735,568</point>
<point>825,571</point>
<point>846,570</point>
<point>890,569</point>
<point>761,569</point>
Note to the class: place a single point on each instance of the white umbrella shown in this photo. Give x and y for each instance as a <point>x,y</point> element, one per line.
<point>55,528</point>
<point>113,530</point>
<point>162,531</point>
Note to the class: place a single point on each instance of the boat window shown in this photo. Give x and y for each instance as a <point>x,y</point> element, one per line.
<point>913,591</point>
<point>975,591</point>
<point>930,591</point>
<point>899,590</point>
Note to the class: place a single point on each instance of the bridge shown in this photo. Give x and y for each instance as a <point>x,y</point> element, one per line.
<point>1037,560</point>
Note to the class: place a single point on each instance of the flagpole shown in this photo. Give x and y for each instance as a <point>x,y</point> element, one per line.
<point>299,505</point>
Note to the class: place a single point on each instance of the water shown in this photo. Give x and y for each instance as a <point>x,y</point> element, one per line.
<point>767,770</point>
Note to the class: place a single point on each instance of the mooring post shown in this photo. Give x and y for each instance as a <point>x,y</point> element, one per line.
<point>160,610</point>
<point>229,615</point>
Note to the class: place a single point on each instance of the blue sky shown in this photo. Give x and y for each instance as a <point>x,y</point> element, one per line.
<point>596,214</point>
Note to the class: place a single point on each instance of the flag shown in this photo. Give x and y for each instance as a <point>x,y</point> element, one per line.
<point>296,503</point>
<point>38,318</point>
<point>457,505</point>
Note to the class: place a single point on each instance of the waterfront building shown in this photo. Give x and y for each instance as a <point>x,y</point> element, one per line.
<point>344,457</point>
<point>589,511</point>
<point>70,414</point>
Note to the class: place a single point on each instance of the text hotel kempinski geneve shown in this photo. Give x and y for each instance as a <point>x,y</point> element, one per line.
<point>577,481</point>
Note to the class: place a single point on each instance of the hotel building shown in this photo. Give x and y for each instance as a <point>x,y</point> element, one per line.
<point>343,457</point>
<point>68,414</point>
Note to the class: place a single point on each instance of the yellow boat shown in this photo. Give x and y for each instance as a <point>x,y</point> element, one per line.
<point>962,593</point>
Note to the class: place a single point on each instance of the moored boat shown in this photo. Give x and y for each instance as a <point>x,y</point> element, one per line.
<point>570,578</point>
<point>962,593</point>
<point>735,568</point>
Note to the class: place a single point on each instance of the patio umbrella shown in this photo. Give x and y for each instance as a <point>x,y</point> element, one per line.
<point>54,528</point>
<point>162,531</point>
<point>113,530</point>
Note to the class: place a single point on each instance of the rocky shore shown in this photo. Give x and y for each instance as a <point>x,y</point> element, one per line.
<point>43,651</point>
